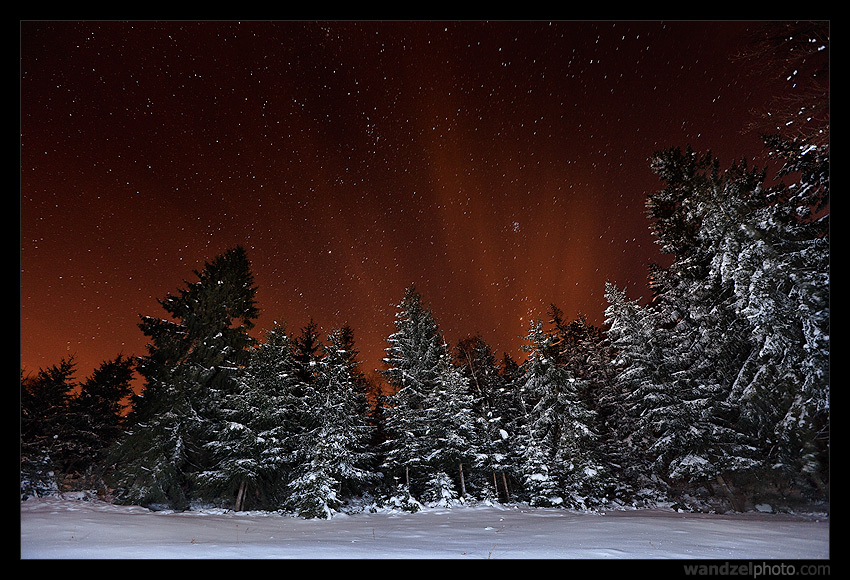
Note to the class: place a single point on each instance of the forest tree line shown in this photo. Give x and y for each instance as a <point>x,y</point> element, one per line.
<point>717,388</point>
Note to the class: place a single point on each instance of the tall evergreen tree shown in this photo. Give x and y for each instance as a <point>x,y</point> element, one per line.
<point>684,414</point>
<point>191,365</point>
<point>254,453</point>
<point>561,464</point>
<point>344,375</point>
<point>767,264</point>
<point>738,384</point>
<point>452,436</point>
<point>411,362</point>
<point>640,364</point>
<point>332,445</point>
<point>419,372</point>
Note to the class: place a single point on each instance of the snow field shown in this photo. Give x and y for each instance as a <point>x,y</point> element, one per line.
<point>53,528</point>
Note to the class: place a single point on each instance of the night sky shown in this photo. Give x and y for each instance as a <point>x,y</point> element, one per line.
<point>499,166</point>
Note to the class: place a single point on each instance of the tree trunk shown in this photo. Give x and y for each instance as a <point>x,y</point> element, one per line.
<point>735,503</point>
<point>462,482</point>
<point>240,496</point>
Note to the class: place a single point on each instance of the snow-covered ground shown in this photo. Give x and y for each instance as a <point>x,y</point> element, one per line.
<point>73,528</point>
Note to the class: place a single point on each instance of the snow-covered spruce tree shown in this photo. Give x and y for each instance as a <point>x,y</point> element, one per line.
<point>251,457</point>
<point>451,434</point>
<point>585,352</point>
<point>682,351</point>
<point>342,367</point>
<point>773,257</point>
<point>768,264</point>
<point>192,361</point>
<point>537,428</point>
<point>638,367</point>
<point>332,454</point>
<point>734,364</point>
<point>411,362</point>
<point>561,466</point>
<point>417,368</point>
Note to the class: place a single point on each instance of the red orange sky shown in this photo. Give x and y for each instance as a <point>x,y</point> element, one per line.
<point>499,166</point>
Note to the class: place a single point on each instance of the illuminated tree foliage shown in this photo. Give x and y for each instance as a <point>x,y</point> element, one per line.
<point>251,455</point>
<point>427,418</point>
<point>331,451</point>
<point>559,462</point>
<point>725,373</point>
